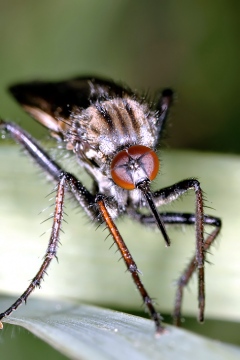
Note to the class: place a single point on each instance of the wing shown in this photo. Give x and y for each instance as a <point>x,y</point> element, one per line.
<point>52,103</point>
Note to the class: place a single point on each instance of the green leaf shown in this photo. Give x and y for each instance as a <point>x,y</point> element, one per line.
<point>87,332</point>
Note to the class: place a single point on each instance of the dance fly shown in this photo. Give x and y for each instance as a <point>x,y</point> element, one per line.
<point>114,135</point>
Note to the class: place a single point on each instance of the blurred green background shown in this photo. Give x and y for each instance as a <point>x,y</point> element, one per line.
<point>191,46</point>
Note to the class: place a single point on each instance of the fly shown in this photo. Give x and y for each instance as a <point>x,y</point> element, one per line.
<point>114,134</point>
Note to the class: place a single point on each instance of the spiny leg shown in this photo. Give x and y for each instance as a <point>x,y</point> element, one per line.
<point>130,263</point>
<point>183,219</point>
<point>65,179</point>
<point>32,147</point>
<point>171,193</point>
<point>79,192</point>
<point>175,218</point>
<point>174,192</point>
<point>190,269</point>
<point>40,157</point>
<point>50,253</point>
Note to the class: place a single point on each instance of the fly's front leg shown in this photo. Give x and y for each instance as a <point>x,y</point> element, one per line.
<point>130,263</point>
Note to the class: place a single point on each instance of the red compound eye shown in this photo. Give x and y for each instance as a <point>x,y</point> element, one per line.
<point>127,161</point>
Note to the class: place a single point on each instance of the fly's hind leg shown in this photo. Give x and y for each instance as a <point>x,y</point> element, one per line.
<point>64,181</point>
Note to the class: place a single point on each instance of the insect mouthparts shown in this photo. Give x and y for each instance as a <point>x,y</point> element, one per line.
<point>144,187</point>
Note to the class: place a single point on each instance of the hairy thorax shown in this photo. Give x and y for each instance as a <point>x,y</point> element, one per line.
<point>100,131</point>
